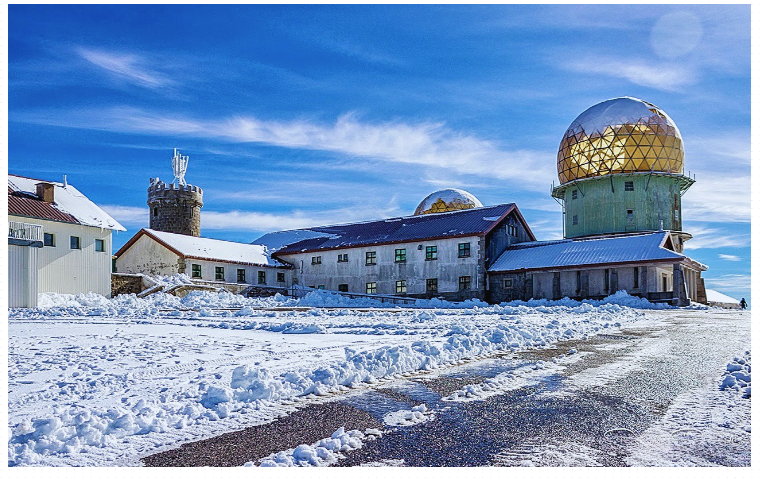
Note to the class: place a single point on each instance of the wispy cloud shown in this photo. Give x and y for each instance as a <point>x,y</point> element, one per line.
<point>127,215</point>
<point>729,257</point>
<point>712,238</point>
<point>665,76</point>
<point>719,198</point>
<point>432,145</point>
<point>736,282</point>
<point>126,66</point>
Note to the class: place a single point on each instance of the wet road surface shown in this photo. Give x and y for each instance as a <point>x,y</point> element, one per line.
<point>587,412</point>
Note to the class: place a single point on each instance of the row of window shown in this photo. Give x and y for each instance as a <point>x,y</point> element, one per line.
<point>219,274</point>
<point>431,286</point>
<point>628,216</point>
<point>628,187</point>
<point>370,257</point>
<point>75,242</point>
<point>508,282</point>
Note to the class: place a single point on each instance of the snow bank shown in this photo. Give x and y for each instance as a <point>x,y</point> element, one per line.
<point>738,375</point>
<point>323,453</point>
<point>406,418</point>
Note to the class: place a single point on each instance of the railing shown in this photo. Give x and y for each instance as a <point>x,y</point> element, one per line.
<point>22,230</point>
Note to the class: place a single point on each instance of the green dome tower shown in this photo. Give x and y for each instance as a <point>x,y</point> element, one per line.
<point>620,167</point>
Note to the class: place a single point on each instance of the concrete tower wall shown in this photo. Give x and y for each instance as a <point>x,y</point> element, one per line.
<point>605,204</point>
<point>175,209</point>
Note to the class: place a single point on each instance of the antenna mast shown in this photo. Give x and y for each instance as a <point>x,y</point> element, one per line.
<point>179,165</point>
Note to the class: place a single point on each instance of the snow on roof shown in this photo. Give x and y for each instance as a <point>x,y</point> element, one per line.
<point>70,201</point>
<point>214,249</point>
<point>275,241</point>
<point>578,252</point>
<point>715,296</point>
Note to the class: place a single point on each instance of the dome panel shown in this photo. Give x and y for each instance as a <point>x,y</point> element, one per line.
<point>447,200</point>
<point>604,138</point>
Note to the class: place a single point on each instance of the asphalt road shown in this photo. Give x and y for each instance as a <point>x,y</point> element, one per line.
<point>588,413</point>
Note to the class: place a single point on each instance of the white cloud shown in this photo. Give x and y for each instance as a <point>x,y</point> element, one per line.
<point>719,198</point>
<point>127,215</point>
<point>666,76</point>
<point>431,145</point>
<point>712,238</point>
<point>126,66</point>
<point>729,257</point>
<point>736,282</point>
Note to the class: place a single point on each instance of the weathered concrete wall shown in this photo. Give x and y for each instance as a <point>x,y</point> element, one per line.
<point>447,268</point>
<point>148,257</point>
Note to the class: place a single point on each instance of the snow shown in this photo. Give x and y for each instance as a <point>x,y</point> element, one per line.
<point>275,241</point>
<point>68,199</point>
<point>323,453</point>
<point>738,375</point>
<point>715,296</point>
<point>215,249</point>
<point>96,381</point>
<point>406,418</point>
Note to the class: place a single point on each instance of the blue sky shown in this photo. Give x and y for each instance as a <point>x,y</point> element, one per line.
<point>296,116</point>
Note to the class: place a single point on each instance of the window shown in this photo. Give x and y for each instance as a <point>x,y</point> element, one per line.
<point>464,282</point>
<point>635,277</point>
<point>371,287</point>
<point>100,245</point>
<point>606,280</point>
<point>431,253</point>
<point>464,249</point>
<point>219,273</point>
<point>629,185</point>
<point>629,214</point>
<point>75,242</point>
<point>400,255</point>
<point>316,260</point>
<point>196,271</point>
<point>320,287</point>
<point>280,277</point>
<point>575,194</point>
<point>49,239</point>
<point>575,220</point>
<point>371,260</point>
<point>401,287</point>
<point>577,281</point>
<point>241,275</point>
<point>342,287</point>
<point>262,277</point>
<point>512,230</point>
<point>507,283</point>
<point>342,257</point>
<point>431,285</point>
<point>664,283</point>
<point>155,212</point>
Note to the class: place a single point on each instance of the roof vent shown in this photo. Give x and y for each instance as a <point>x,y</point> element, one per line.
<point>46,192</point>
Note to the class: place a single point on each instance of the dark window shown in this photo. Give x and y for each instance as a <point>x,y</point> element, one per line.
<point>155,212</point>
<point>507,282</point>
<point>320,287</point>
<point>629,185</point>
<point>431,253</point>
<point>575,194</point>
<point>635,277</point>
<point>219,273</point>
<point>464,249</point>
<point>241,275</point>
<point>280,277</point>
<point>629,214</point>
<point>401,287</point>
<point>577,281</point>
<point>512,230</point>
<point>262,277</point>
<point>342,287</point>
<point>316,260</point>
<point>371,260</point>
<point>606,280</point>
<point>75,242</point>
<point>664,283</point>
<point>464,282</point>
<point>431,285</point>
<point>371,287</point>
<point>49,239</point>
<point>196,271</point>
<point>342,257</point>
<point>575,220</point>
<point>100,245</point>
<point>400,255</point>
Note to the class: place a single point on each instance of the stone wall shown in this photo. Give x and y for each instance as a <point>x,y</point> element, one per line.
<point>175,209</point>
<point>126,284</point>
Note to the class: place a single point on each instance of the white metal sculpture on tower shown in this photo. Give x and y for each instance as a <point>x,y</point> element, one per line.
<point>179,165</point>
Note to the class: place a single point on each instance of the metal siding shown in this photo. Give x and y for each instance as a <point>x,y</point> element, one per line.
<point>22,276</point>
<point>68,271</point>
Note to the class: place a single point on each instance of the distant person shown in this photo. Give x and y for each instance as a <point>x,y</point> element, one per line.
<point>743,303</point>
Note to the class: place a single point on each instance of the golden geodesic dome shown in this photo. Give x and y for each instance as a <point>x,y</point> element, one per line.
<point>447,200</point>
<point>621,135</point>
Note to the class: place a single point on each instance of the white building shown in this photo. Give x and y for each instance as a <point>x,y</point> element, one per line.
<point>58,241</point>
<point>164,253</point>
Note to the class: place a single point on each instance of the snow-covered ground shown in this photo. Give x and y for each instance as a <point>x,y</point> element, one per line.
<point>94,381</point>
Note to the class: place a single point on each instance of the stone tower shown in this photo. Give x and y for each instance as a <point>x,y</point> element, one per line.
<point>175,208</point>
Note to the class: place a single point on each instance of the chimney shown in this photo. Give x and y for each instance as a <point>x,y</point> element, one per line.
<point>45,191</point>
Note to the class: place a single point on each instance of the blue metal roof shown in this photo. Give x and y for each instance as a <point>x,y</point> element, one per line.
<point>398,229</point>
<point>581,252</point>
